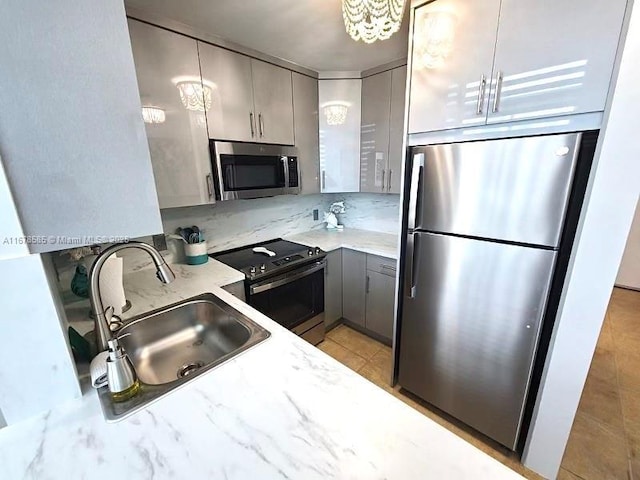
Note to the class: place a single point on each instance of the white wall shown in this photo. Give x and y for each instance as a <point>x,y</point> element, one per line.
<point>629,273</point>
<point>10,227</point>
<point>36,368</point>
<point>605,223</point>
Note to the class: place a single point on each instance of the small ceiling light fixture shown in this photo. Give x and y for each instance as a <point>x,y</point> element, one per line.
<point>194,95</point>
<point>153,115</point>
<point>336,112</point>
<point>371,20</point>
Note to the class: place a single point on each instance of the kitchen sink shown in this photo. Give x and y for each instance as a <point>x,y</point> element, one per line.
<point>172,345</point>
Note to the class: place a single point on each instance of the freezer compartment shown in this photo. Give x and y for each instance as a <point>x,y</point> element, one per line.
<point>513,190</point>
<point>469,333</point>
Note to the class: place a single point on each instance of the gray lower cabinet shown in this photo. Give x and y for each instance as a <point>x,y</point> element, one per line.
<point>354,267</point>
<point>333,288</point>
<point>380,303</point>
<point>307,139</point>
<point>237,290</point>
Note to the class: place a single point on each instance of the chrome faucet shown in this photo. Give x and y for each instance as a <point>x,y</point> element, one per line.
<point>164,274</point>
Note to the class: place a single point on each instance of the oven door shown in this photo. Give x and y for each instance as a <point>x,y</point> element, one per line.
<point>295,300</point>
<point>253,170</point>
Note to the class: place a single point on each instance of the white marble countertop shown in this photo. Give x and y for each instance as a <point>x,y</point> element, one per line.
<point>283,409</point>
<point>376,243</point>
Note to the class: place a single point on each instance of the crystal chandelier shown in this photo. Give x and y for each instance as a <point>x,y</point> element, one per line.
<point>336,112</point>
<point>372,20</point>
<point>194,95</point>
<point>153,115</point>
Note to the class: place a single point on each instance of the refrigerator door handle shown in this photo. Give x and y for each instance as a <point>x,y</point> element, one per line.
<point>418,166</point>
<point>410,288</point>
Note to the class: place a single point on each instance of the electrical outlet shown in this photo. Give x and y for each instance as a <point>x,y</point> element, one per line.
<point>160,242</point>
<point>315,214</point>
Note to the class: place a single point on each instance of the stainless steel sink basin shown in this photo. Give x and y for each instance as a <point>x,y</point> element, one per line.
<point>174,344</point>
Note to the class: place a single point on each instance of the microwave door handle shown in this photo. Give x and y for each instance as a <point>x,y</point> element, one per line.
<point>285,166</point>
<point>414,192</point>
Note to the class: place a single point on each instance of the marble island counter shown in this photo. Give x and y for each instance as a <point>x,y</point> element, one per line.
<point>283,409</point>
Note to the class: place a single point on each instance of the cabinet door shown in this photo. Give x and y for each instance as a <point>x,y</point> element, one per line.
<point>380,303</point>
<point>228,76</point>
<point>354,267</point>
<point>453,46</point>
<point>273,99</point>
<point>305,109</point>
<point>374,135</point>
<point>178,142</point>
<point>396,129</point>
<point>333,288</point>
<point>555,57</point>
<point>340,135</point>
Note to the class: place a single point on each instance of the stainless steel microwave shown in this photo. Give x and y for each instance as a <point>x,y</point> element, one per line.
<point>252,170</point>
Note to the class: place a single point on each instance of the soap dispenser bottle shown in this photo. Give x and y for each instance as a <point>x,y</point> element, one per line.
<point>121,377</point>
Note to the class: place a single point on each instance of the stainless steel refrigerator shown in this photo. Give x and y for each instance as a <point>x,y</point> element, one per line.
<point>484,223</point>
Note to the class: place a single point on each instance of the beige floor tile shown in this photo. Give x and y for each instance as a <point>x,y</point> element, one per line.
<point>631,413</point>
<point>567,475</point>
<point>356,342</point>
<point>605,340</point>
<point>382,361</point>
<point>344,356</point>
<point>603,366</point>
<point>594,453</point>
<point>374,375</point>
<point>629,371</point>
<point>601,401</point>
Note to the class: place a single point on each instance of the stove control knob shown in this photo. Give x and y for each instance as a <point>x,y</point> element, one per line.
<point>263,267</point>
<point>318,250</point>
<point>252,269</point>
<point>310,252</point>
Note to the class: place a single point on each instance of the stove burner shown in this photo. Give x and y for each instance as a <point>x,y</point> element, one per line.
<point>252,261</point>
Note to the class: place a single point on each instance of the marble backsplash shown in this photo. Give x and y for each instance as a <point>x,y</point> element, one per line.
<point>242,222</point>
<point>370,211</point>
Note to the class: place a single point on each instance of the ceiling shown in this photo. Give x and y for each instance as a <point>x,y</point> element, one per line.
<point>309,33</point>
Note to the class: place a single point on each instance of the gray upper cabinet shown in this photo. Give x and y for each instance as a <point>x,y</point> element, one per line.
<point>554,57</point>
<point>251,100</point>
<point>450,72</point>
<point>333,288</point>
<point>273,99</point>
<point>502,61</point>
<point>374,136</point>
<point>382,131</point>
<point>305,115</point>
<point>178,140</point>
<point>354,265</point>
<point>228,77</point>
<point>396,129</point>
<point>72,138</point>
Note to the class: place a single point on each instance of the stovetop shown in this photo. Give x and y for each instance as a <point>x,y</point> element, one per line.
<point>255,266</point>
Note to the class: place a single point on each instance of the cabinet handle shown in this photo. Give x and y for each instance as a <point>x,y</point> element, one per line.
<point>389,180</point>
<point>210,185</point>
<point>383,172</point>
<point>496,98</point>
<point>261,125</point>
<point>367,286</point>
<point>481,91</point>
<point>324,180</point>
<point>253,131</point>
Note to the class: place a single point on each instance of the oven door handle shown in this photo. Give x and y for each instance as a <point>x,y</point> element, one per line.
<point>283,280</point>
